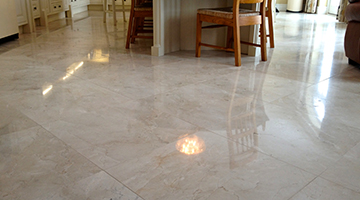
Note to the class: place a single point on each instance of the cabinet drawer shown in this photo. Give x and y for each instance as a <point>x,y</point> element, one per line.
<point>56,7</point>
<point>35,9</point>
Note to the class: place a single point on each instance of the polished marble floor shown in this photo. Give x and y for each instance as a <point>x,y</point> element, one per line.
<point>81,117</point>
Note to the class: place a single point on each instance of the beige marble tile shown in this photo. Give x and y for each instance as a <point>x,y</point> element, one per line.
<point>135,130</point>
<point>227,59</point>
<point>24,78</point>
<point>198,104</point>
<point>347,80</point>
<point>296,138</point>
<point>142,76</point>
<point>328,99</point>
<point>100,186</point>
<point>36,165</point>
<point>346,171</point>
<point>285,128</point>
<point>323,189</point>
<point>70,99</point>
<point>268,87</point>
<point>218,172</point>
<point>11,120</point>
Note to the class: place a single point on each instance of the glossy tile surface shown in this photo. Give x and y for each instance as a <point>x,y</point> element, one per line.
<point>81,117</point>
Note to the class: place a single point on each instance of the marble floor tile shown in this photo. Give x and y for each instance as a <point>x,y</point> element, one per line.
<point>81,117</point>
<point>100,186</point>
<point>134,131</point>
<point>332,99</point>
<point>323,189</point>
<point>346,170</point>
<point>12,120</point>
<point>292,137</point>
<point>220,171</point>
<point>36,165</point>
<point>70,99</point>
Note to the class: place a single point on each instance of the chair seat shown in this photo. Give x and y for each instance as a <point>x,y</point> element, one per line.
<point>143,7</point>
<point>226,12</point>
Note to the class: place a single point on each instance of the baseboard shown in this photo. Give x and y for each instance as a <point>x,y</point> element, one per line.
<point>281,7</point>
<point>9,38</point>
<point>321,10</point>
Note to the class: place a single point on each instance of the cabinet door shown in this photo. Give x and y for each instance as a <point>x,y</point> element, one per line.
<point>79,3</point>
<point>35,7</point>
<point>21,12</point>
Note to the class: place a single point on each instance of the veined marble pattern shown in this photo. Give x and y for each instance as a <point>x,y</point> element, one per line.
<point>81,117</point>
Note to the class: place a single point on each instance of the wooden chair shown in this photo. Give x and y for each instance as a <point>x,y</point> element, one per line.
<point>269,15</point>
<point>113,10</point>
<point>233,17</point>
<point>138,22</point>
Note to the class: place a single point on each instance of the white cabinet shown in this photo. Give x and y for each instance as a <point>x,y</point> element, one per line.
<point>21,12</point>
<point>27,11</point>
<point>78,6</point>
<point>8,19</point>
<point>52,10</point>
<point>79,3</point>
<point>54,6</point>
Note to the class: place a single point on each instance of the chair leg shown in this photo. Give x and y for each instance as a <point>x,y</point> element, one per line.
<point>105,9</point>
<point>263,40</point>
<point>229,37</point>
<point>198,36</point>
<point>134,29</point>
<point>114,11</point>
<point>271,29</point>
<point>139,26</point>
<point>237,47</point>
<point>130,27</point>
<point>123,10</point>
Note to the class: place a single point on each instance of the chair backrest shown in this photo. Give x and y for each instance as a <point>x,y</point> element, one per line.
<point>236,5</point>
<point>269,4</point>
<point>249,1</point>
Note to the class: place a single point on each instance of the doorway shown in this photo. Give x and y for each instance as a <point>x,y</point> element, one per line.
<point>333,6</point>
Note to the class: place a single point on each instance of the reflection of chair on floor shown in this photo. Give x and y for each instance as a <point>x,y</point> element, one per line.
<point>242,122</point>
<point>113,10</point>
<point>139,22</point>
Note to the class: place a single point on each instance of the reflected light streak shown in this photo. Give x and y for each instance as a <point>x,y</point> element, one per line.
<point>47,90</point>
<point>72,69</point>
<point>326,67</point>
<point>97,55</point>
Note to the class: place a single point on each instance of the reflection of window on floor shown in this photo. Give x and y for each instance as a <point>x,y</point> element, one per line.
<point>325,73</point>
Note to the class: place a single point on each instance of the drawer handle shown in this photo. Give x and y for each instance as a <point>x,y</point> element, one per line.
<point>35,7</point>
